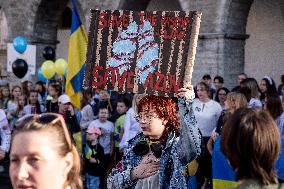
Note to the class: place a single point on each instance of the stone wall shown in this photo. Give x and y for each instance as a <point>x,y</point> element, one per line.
<point>264,50</point>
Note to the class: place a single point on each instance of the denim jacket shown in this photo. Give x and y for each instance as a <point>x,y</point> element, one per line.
<point>178,151</point>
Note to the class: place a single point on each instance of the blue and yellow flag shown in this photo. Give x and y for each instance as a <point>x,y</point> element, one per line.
<point>88,151</point>
<point>224,176</point>
<point>76,58</point>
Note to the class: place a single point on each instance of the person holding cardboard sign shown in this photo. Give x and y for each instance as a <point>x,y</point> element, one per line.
<point>156,157</point>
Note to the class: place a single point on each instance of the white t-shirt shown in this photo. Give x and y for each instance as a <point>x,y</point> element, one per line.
<point>11,107</point>
<point>87,116</point>
<point>255,103</point>
<point>5,132</point>
<point>29,109</point>
<point>107,131</point>
<point>207,115</point>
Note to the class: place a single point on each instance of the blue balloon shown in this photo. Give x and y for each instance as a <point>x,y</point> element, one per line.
<point>40,76</point>
<point>20,44</point>
<point>65,73</point>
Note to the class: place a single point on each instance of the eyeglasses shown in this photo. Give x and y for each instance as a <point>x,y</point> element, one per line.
<point>44,118</point>
<point>148,116</point>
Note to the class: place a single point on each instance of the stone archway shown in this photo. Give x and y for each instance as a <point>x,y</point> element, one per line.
<point>3,44</point>
<point>234,27</point>
<point>36,20</point>
<point>264,50</point>
<point>20,19</point>
<point>222,38</point>
<point>45,26</point>
<point>134,5</point>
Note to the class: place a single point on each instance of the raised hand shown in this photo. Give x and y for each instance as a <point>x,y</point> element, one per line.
<point>186,93</point>
<point>149,166</point>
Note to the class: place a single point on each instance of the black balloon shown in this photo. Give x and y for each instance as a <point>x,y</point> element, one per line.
<point>20,68</point>
<point>48,53</point>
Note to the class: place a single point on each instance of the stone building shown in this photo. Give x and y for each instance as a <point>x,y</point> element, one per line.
<point>235,35</point>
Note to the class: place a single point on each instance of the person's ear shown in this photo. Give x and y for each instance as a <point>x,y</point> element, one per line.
<point>68,164</point>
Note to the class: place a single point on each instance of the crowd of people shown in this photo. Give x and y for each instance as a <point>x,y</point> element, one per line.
<point>140,141</point>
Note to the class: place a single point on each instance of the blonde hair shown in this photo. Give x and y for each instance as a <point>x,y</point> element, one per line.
<point>235,101</point>
<point>135,103</point>
<point>64,144</point>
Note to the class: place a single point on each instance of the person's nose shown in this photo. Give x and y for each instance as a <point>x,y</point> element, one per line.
<point>23,172</point>
<point>142,120</point>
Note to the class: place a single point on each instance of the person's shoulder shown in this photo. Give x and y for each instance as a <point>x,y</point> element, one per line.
<point>121,117</point>
<point>10,102</point>
<point>282,116</point>
<point>109,123</point>
<point>94,123</point>
<point>249,184</point>
<point>139,137</point>
<point>27,106</point>
<point>254,184</point>
<point>86,108</point>
<point>2,115</point>
<point>130,111</point>
<point>196,101</point>
<point>255,101</point>
<point>281,186</point>
<point>215,104</point>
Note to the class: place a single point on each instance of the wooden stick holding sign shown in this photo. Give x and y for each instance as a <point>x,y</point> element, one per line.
<point>192,49</point>
<point>149,52</point>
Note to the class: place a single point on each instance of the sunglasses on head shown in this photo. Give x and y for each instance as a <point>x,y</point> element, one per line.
<point>44,119</point>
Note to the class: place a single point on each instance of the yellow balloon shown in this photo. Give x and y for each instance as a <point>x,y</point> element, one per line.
<point>48,69</point>
<point>60,66</point>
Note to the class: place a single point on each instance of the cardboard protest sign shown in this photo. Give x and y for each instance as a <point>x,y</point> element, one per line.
<point>141,51</point>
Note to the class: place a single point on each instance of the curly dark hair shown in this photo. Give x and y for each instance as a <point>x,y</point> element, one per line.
<point>164,107</point>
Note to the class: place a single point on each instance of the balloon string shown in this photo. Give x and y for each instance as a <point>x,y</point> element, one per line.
<point>46,91</point>
<point>63,83</point>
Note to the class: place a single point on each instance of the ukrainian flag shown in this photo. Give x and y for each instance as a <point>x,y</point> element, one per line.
<point>76,58</point>
<point>224,176</point>
<point>88,151</point>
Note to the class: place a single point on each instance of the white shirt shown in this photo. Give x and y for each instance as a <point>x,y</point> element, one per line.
<point>87,116</point>
<point>5,132</point>
<point>28,109</point>
<point>207,115</point>
<point>255,103</point>
<point>11,107</point>
<point>107,131</point>
<point>131,128</point>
